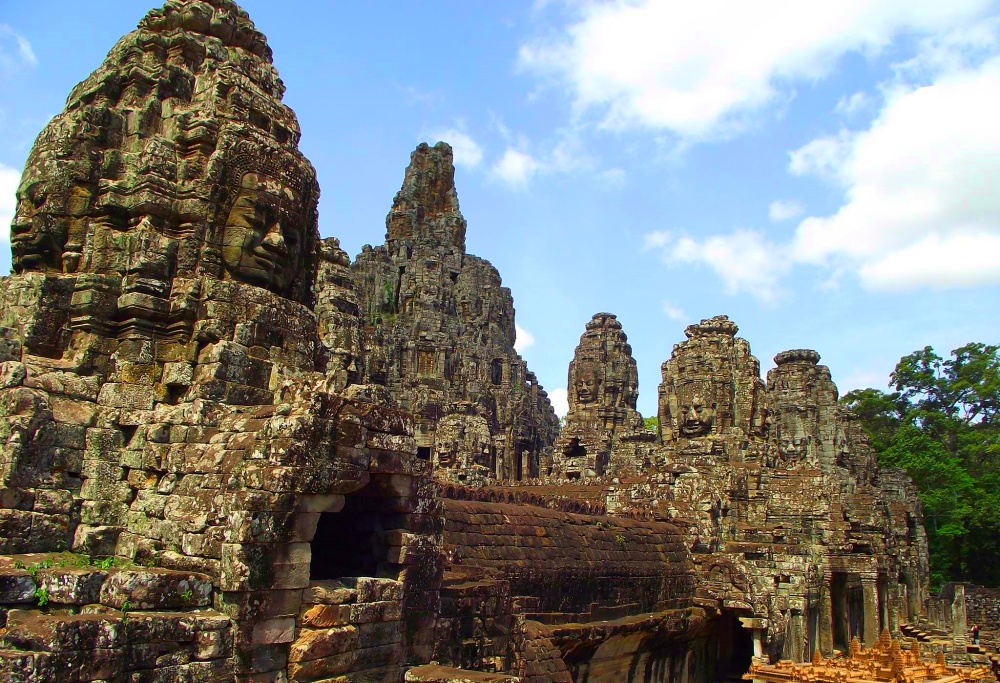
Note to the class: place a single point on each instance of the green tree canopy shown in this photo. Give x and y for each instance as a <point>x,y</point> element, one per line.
<point>941,425</point>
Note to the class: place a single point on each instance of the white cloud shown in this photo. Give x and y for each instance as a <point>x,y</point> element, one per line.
<point>467,151</point>
<point>962,260</point>
<point>783,210</point>
<point>566,154</point>
<point>560,401</point>
<point>516,168</point>
<point>702,69</point>
<point>921,205</point>
<point>523,339</point>
<point>850,105</point>
<point>674,312</point>
<point>9,179</point>
<point>15,49</point>
<point>823,156</point>
<point>744,260</point>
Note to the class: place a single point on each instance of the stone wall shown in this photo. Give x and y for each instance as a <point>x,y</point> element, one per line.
<point>982,606</point>
<point>229,454</point>
<point>569,567</point>
<point>168,397</point>
<point>778,483</point>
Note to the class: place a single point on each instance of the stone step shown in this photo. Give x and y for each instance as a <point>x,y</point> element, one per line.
<point>33,631</point>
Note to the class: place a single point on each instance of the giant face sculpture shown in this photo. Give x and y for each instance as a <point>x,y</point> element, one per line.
<point>261,240</point>
<point>47,214</point>
<point>587,386</point>
<point>36,238</point>
<point>696,416</point>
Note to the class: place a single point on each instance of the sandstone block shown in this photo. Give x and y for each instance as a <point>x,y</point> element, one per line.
<point>72,586</point>
<point>322,643</point>
<point>150,588</point>
<point>16,587</point>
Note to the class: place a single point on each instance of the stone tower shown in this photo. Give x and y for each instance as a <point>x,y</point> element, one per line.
<point>438,331</point>
<point>604,386</point>
<point>712,399</point>
<point>165,393</point>
<point>803,402</point>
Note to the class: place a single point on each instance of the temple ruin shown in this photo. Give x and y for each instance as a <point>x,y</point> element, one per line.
<point>228,452</point>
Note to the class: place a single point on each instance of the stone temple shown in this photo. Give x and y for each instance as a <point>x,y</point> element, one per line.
<point>228,452</point>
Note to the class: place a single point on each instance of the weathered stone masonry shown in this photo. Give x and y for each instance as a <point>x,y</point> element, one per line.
<point>228,453</point>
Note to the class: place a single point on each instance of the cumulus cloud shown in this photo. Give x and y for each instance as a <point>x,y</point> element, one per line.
<point>9,178</point>
<point>560,401</point>
<point>921,206</point>
<point>523,339</point>
<point>674,312</point>
<point>702,69</point>
<point>516,168</point>
<point>566,154</point>
<point>745,260</point>
<point>15,49</point>
<point>467,151</point>
<point>784,210</point>
<point>823,156</point>
<point>920,203</point>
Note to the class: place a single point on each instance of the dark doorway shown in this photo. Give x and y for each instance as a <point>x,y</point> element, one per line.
<point>575,457</point>
<point>734,648</point>
<point>848,603</point>
<point>351,542</point>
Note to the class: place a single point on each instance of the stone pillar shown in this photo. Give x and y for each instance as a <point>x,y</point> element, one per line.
<point>914,600</point>
<point>896,603</point>
<point>797,636</point>
<point>758,643</point>
<point>826,617</point>
<point>869,589</point>
<point>958,616</point>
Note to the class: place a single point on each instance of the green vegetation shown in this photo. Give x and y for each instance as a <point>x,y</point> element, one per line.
<point>75,561</point>
<point>42,596</point>
<point>942,425</point>
<point>651,423</point>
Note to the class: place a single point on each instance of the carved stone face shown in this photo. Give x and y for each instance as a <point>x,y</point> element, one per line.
<point>793,447</point>
<point>586,388</point>
<point>697,417</point>
<point>262,240</point>
<point>41,224</point>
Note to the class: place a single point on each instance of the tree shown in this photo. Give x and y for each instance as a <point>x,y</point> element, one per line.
<point>651,423</point>
<point>942,425</point>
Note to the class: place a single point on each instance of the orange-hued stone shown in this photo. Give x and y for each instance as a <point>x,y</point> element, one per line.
<point>884,662</point>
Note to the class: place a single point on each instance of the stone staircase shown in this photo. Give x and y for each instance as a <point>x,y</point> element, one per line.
<point>934,639</point>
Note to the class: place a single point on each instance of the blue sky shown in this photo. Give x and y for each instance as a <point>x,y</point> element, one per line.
<point>825,173</point>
